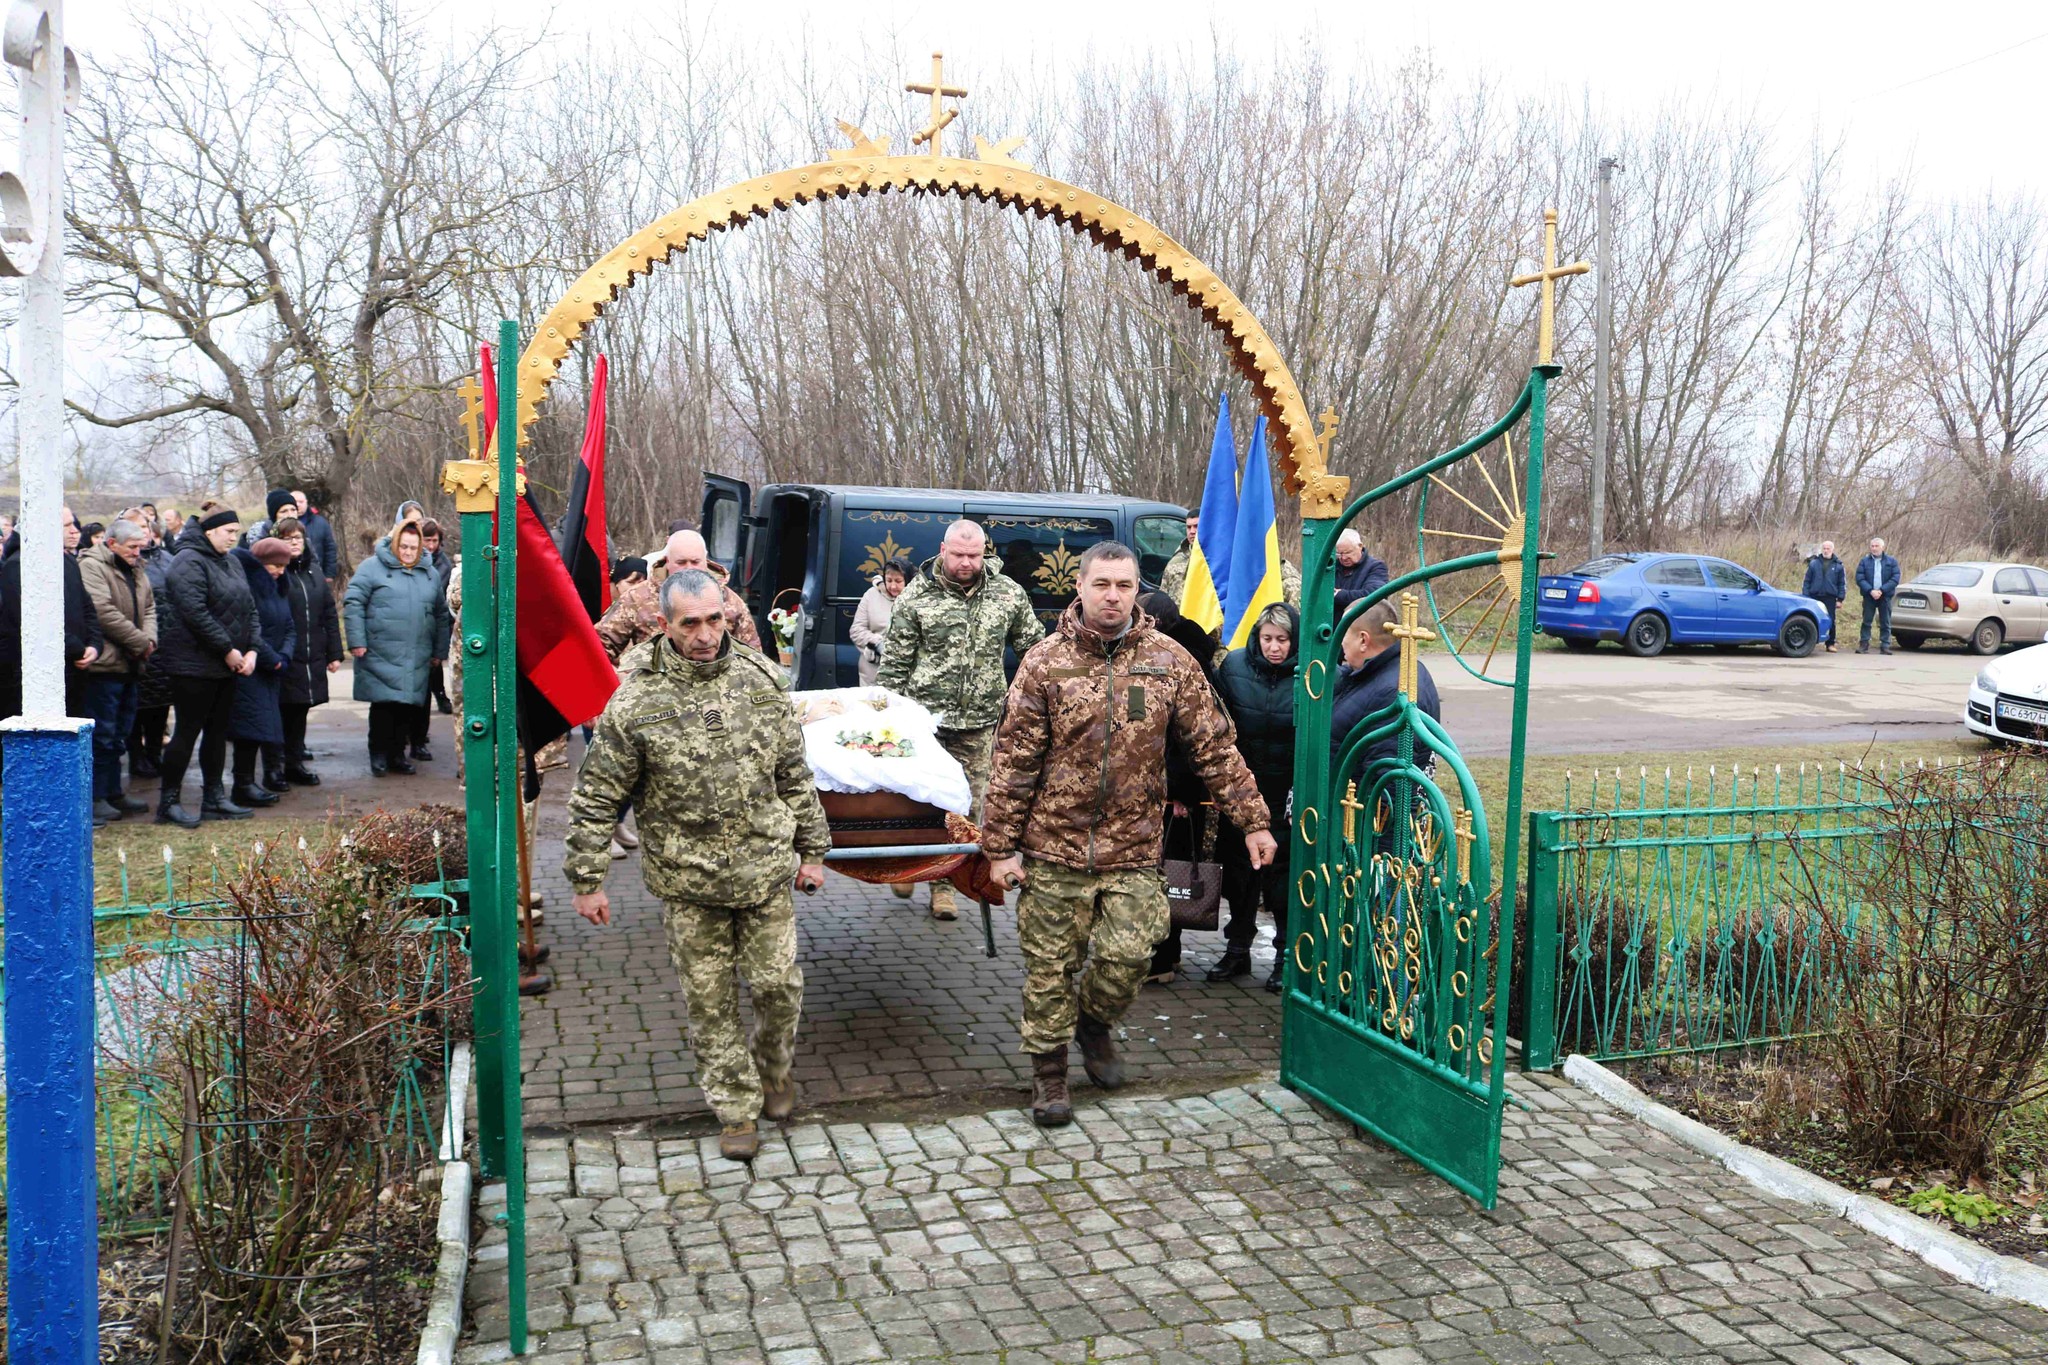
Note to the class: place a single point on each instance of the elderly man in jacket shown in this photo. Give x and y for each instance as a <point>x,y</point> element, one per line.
<point>945,649</point>
<point>125,605</point>
<point>703,741</point>
<point>1358,572</point>
<point>1826,584</point>
<point>1076,814</point>
<point>1877,578</point>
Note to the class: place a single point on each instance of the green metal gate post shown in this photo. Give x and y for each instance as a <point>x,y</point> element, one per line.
<point>1538,987</point>
<point>486,497</point>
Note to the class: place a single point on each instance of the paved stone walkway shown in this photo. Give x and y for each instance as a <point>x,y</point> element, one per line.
<point>898,1007</point>
<point>1237,1227</point>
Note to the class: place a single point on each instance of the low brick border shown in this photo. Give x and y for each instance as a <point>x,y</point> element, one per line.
<point>444,1307</point>
<point>2006,1276</point>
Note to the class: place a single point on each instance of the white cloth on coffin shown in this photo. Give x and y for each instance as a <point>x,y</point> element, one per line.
<point>929,774</point>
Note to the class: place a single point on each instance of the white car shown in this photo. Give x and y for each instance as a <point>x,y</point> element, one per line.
<point>2009,699</point>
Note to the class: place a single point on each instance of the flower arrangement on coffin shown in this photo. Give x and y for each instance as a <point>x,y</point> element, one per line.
<point>884,741</point>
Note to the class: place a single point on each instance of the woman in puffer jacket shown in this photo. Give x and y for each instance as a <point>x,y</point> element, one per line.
<point>397,622</point>
<point>1257,682</point>
<point>206,640</point>
<point>258,723</point>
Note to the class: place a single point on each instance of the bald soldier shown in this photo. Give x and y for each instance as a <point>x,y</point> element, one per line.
<point>635,614</point>
<point>702,740</point>
<point>944,651</point>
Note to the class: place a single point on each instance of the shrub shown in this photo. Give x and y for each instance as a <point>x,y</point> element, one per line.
<point>1939,1026</point>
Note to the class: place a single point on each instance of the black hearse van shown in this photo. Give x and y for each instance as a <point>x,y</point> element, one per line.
<point>823,544</point>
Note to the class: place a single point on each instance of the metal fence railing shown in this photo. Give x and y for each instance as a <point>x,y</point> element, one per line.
<point>145,953</point>
<point>1679,912</point>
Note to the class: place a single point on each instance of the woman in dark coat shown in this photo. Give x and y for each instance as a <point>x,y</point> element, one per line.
<point>1184,790</point>
<point>153,700</point>
<point>206,639</point>
<point>1258,686</point>
<point>316,650</point>
<point>257,724</point>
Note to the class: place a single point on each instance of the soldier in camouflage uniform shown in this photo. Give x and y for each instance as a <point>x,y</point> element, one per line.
<point>945,651</point>
<point>703,741</point>
<point>1076,814</point>
<point>1173,580</point>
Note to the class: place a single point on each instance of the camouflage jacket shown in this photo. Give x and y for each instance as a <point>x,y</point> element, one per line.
<point>1174,580</point>
<point>945,645</point>
<point>634,617</point>
<point>713,760</point>
<point>1080,761</point>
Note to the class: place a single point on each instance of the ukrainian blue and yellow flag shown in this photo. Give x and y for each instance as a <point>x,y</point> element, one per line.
<point>1201,601</point>
<point>1255,553</point>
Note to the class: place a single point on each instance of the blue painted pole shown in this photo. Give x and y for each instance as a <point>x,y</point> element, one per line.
<point>52,1190</point>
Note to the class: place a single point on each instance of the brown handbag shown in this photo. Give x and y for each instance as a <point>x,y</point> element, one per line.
<point>1194,889</point>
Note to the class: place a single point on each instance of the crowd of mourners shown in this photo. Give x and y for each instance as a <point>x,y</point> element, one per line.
<point>202,636</point>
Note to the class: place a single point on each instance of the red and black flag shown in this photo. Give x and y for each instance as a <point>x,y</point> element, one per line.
<point>584,544</point>
<point>565,677</point>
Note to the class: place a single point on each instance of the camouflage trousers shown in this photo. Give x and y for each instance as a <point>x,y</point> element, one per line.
<point>1087,939</point>
<point>975,751</point>
<point>712,947</point>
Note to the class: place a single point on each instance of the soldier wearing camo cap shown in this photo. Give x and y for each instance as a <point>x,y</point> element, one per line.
<point>1077,814</point>
<point>703,741</point>
<point>944,650</point>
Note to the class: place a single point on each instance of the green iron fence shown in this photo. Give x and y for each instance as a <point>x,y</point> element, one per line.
<point>144,951</point>
<point>1677,912</point>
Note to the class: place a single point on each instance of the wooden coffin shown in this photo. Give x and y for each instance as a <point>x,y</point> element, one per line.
<point>877,819</point>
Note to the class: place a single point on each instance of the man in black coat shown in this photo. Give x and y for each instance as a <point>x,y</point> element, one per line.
<point>1877,578</point>
<point>1827,583</point>
<point>1369,681</point>
<point>82,638</point>
<point>1358,573</point>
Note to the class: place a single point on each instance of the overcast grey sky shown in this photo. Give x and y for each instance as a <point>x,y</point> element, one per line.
<point>1959,90</point>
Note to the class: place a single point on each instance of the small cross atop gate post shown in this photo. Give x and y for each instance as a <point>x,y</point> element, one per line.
<point>472,413</point>
<point>1352,806</point>
<point>939,91</point>
<point>1548,277</point>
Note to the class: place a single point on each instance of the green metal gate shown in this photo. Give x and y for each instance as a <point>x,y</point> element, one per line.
<point>1396,1010</point>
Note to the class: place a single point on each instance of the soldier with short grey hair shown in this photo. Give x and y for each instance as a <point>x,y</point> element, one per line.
<point>703,742</point>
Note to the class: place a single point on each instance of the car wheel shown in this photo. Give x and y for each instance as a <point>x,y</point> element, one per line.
<point>1909,641</point>
<point>1797,637</point>
<point>1988,636</point>
<point>1577,644</point>
<point>1646,636</point>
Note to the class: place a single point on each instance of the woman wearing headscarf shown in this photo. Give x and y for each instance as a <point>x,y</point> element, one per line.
<point>206,639</point>
<point>1185,794</point>
<point>257,725</point>
<point>316,650</point>
<point>871,620</point>
<point>437,683</point>
<point>1258,686</point>
<point>398,625</point>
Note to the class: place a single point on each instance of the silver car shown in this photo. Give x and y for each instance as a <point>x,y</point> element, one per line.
<point>1983,604</point>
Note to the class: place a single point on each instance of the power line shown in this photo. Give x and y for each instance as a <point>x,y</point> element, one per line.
<point>1933,75</point>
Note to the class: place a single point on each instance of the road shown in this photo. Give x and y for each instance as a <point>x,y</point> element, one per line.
<point>1703,698</point>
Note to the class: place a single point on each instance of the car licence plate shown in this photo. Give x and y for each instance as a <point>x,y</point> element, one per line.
<point>1555,594</point>
<point>1912,600</point>
<point>2026,715</point>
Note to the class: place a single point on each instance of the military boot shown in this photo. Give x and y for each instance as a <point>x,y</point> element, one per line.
<point>739,1142</point>
<point>778,1102</point>
<point>1098,1052</point>
<point>1051,1107</point>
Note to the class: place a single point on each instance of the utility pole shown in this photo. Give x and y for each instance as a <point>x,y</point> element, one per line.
<point>1603,310</point>
<point>46,825</point>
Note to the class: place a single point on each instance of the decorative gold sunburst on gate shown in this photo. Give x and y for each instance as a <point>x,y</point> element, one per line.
<point>1473,508</point>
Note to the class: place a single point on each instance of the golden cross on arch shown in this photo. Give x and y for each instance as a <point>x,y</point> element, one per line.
<point>1466,838</point>
<point>1352,806</point>
<point>1408,633</point>
<point>472,413</point>
<point>1548,277</point>
<point>939,91</point>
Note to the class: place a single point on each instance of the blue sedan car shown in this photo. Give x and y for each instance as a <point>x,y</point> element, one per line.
<point>1648,601</point>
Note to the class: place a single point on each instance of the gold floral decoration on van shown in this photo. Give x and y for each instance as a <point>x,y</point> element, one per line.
<point>1058,569</point>
<point>878,555</point>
